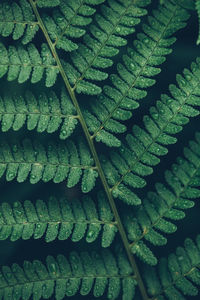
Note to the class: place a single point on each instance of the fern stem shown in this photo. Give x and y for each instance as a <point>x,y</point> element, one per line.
<point>95,155</point>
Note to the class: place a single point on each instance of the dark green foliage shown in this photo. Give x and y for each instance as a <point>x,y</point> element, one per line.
<point>18,20</point>
<point>60,219</point>
<point>71,74</point>
<point>48,3</point>
<point>178,275</point>
<point>68,21</point>
<point>46,112</point>
<point>105,35</point>
<point>81,272</point>
<point>135,73</point>
<point>27,63</point>
<point>165,205</point>
<point>135,158</point>
<point>51,161</point>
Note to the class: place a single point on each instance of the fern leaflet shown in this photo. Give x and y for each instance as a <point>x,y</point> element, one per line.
<point>141,152</point>
<point>50,162</point>
<point>18,20</point>
<point>179,273</point>
<point>135,74</point>
<point>80,273</point>
<point>166,204</point>
<point>68,22</point>
<point>107,33</point>
<point>45,111</point>
<point>27,63</point>
<point>60,219</point>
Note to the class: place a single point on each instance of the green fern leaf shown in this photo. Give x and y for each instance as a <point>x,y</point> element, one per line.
<point>45,111</point>
<point>106,34</point>
<point>58,219</point>
<point>52,162</point>
<point>18,20</point>
<point>159,209</point>
<point>116,102</point>
<point>178,274</point>
<point>65,277</point>
<point>68,22</point>
<point>187,4</point>
<point>48,3</point>
<point>104,70</point>
<point>23,63</point>
<point>142,150</point>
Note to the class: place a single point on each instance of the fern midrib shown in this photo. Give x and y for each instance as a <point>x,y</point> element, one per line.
<point>19,22</point>
<point>29,65</point>
<point>102,45</point>
<point>161,132</point>
<point>136,78</point>
<point>95,155</point>
<point>38,163</point>
<point>168,208</point>
<point>173,282</point>
<point>39,113</point>
<point>66,277</point>
<point>60,222</point>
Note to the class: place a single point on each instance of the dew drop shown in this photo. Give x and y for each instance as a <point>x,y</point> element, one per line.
<point>188,77</point>
<point>52,268</point>
<point>180,258</point>
<point>84,189</point>
<point>155,116</point>
<point>183,82</point>
<point>63,132</point>
<point>10,175</point>
<point>90,234</point>
<point>118,29</point>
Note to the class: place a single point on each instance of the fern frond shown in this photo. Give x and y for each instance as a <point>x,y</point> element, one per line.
<point>159,209</point>
<point>27,63</point>
<point>18,20</point>
<point>60,219</point>
<point>116,102</point>
<point>81,272</point>
<point>176,276</point>
<point>50,162</point>
<point>45,111</point>
<point>115,21</point>
<point>48,3</point>
<point>69,22</point>
<point>143,148</point>
<point>80,6</point>
<point>187,4</point>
